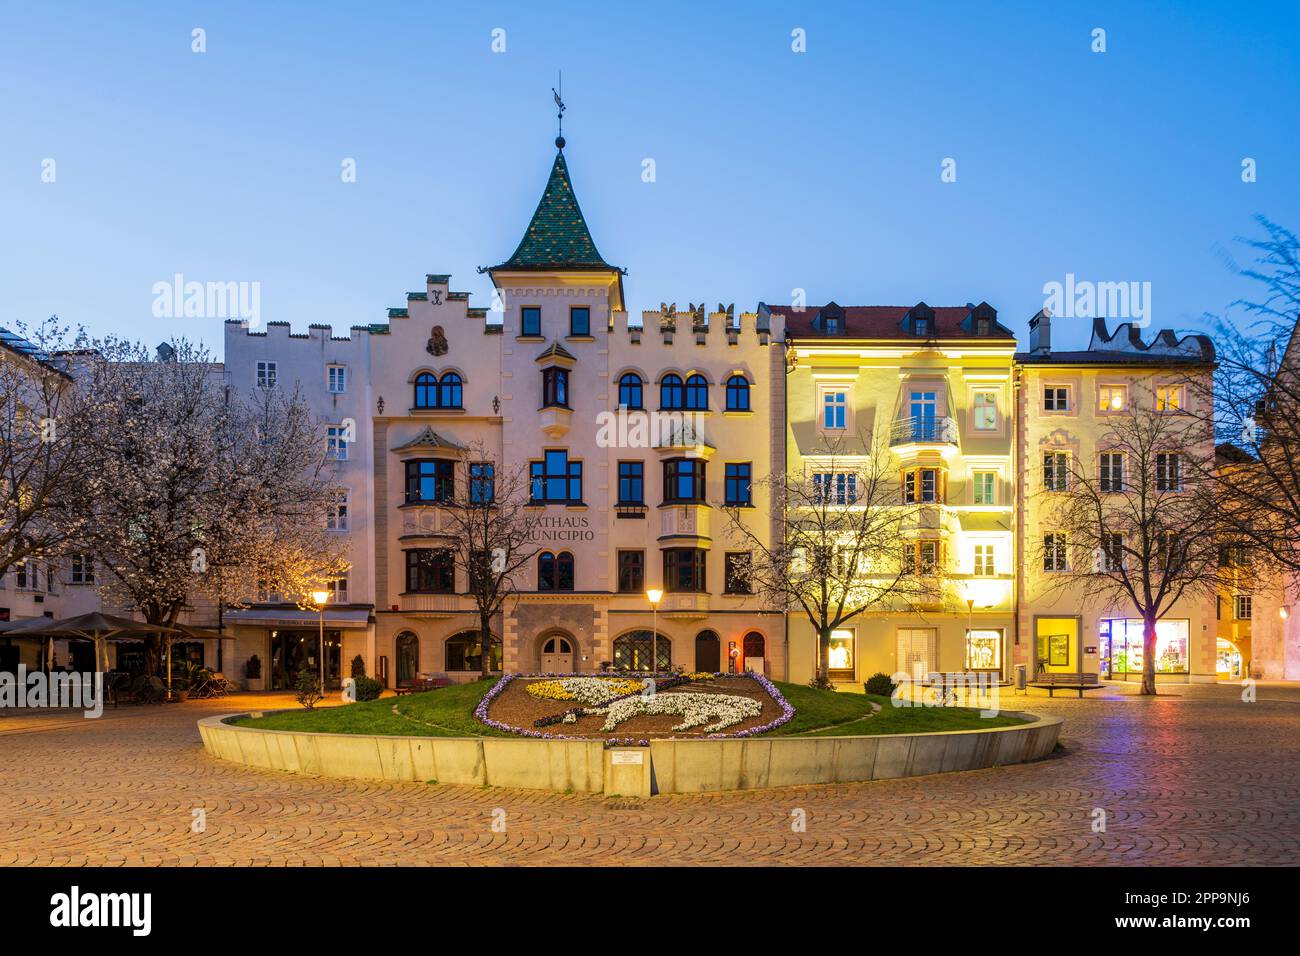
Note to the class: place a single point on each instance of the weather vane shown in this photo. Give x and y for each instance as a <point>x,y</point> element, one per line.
<point>559,103</point>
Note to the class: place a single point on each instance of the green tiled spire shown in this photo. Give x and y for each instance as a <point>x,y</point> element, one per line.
<point>557,237</point>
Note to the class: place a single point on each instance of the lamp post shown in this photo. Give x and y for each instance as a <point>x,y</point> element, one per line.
<point>321,598</point>
<point>654,596</point>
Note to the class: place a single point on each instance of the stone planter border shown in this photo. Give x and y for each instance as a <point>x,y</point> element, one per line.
<point>666,766</point>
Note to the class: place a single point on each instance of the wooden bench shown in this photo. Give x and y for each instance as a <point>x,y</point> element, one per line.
<point>421,684</point>
<point>1080,682</point>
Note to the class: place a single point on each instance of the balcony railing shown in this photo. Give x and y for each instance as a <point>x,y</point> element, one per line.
<point>905,431</point>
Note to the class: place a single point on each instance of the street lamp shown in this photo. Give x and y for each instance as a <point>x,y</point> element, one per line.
<point>321,598</point>
<point>654,596</point>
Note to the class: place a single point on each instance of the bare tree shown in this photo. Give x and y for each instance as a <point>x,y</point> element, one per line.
<point>40,437</point>
<point>1137,524</point>
<point>847,542</point>
<point>492,535</point>
<point>1256,407</point>
<point>192,488</point>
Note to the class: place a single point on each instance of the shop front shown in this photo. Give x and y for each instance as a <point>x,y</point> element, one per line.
<point>1123,649</point>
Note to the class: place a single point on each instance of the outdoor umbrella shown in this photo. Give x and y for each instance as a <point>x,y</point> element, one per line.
<point>99,628</point>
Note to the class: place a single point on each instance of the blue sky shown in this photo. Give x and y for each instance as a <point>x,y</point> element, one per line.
<point>775,170</point>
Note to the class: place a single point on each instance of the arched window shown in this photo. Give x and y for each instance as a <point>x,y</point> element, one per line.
<point>737,394</point>
<point>697,392</point>
<point>632,652</point>
<point>465,652</point>
<point>449,391</point>
<point>408,658</point>
<point>629,390</point>
<point>426,390</point>
<point>670,391</point>
<point>754,645</point>
<point>555,571</point>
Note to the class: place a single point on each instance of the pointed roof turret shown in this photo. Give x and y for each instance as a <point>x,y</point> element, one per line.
<point>557,238</point>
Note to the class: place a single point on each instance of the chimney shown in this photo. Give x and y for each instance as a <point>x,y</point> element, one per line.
<point>1040,333</point>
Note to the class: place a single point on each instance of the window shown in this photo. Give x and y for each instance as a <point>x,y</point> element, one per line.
<point>556,479</point>
<point>430,479</point>
<point>430,570</point>
<point>1112,552</point>
<point>986,411</point>
<point>1241,607</point>
<point>27,576</point>
<point>530,320</point>
<point>697,393</point>
<point>482,482</point>
<point>450,391</point>
<point>1169,471</point>
<point>1112,471</point>
<point>922,557</point>
<point>670,392</point>
<point>984,566</point>
<point>684,570</point>
<point>555,387</point>
<point>1056,398</point>
<point>426,390</point>
<point>266,375</point>
<point>983,650</point>
<point>83,569</point>
<point>1169,398</point>
<point>579,320</point>
<point>683,480</point>
<point>337,379</point>
<point>922,485</point>
<point>630,390</point>
<point>841,659</point>
<point>631,572</point>
<point>1112,398</point>
<point>737,394</point>
<point>464,652</point>
<point>920,326</point>
<point>338,588</point>
<point>1056,470</point>
<point>555,571</point>
<point>1055,552</point>
<point>336,519</point>
<point>835,408</point>
<point>631,483</point>
<point>738,491</point>
<point>1171,553</point>
<point>1126,645</point>
<point>737,569</point>
<point>632,652</point>
<point>1234,556</point>
<point>336,443</point>
<point>985,487</point>
<point>838,488</point>
<point>983,326</point>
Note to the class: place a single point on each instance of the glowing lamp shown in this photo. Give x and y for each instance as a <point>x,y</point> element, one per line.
<point>654,595</point>
<point>320,597</point>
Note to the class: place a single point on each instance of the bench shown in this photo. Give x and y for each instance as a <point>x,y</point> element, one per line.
<point>1080,682</point>
<point>421,684</point>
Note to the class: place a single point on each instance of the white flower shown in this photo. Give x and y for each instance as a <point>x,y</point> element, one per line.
<point>725,710</point>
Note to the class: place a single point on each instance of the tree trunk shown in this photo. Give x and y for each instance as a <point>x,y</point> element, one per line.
<point>485,644</point>
<point>152,654</point>
<point>824,656</point>
<point>1148,656</point>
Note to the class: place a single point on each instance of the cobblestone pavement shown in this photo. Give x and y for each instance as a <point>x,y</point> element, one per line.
<point>1196,777</point>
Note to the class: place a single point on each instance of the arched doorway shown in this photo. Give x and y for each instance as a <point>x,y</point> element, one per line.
<point>708,652</point>
<point>408,658</point>
<point>1229,660</point>
<point>557,654</point>
<point>754,650</point>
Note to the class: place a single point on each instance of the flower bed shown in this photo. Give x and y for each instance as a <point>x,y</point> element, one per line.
<point>680,705</point>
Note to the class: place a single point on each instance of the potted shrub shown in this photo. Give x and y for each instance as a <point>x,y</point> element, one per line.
<point>253,673</point>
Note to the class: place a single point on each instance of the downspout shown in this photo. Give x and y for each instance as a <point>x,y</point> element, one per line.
<point>1017,523</point>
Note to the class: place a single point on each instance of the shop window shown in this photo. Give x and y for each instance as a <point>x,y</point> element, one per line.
<point>983,650</point>
<point>842,661</point>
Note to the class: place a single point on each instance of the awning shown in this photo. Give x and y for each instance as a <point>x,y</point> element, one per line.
<point>984,521</point>
<point>342,618</point>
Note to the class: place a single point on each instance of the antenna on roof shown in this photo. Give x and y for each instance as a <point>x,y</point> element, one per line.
<point>559,103</point>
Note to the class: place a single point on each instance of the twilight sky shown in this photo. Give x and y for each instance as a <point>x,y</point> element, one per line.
<point>774,170</point>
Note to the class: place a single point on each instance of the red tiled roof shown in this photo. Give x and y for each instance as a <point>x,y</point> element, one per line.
<point>878,322</point>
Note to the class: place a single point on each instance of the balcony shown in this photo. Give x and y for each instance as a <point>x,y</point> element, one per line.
<point>684,606</point>
<point>430,605</point>
<point>923,431</point>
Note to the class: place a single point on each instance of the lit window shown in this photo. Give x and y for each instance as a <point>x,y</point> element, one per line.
<point>842,659</point>
<point>1169,398</point>
<point>984,566</point>
<point>1112,398</point>
<point>983,650</point>
<point>985,487</point>
<point>986,411</point>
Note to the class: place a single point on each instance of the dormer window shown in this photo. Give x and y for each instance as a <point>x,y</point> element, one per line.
<point>920,326</point>
<point>983,326</point>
